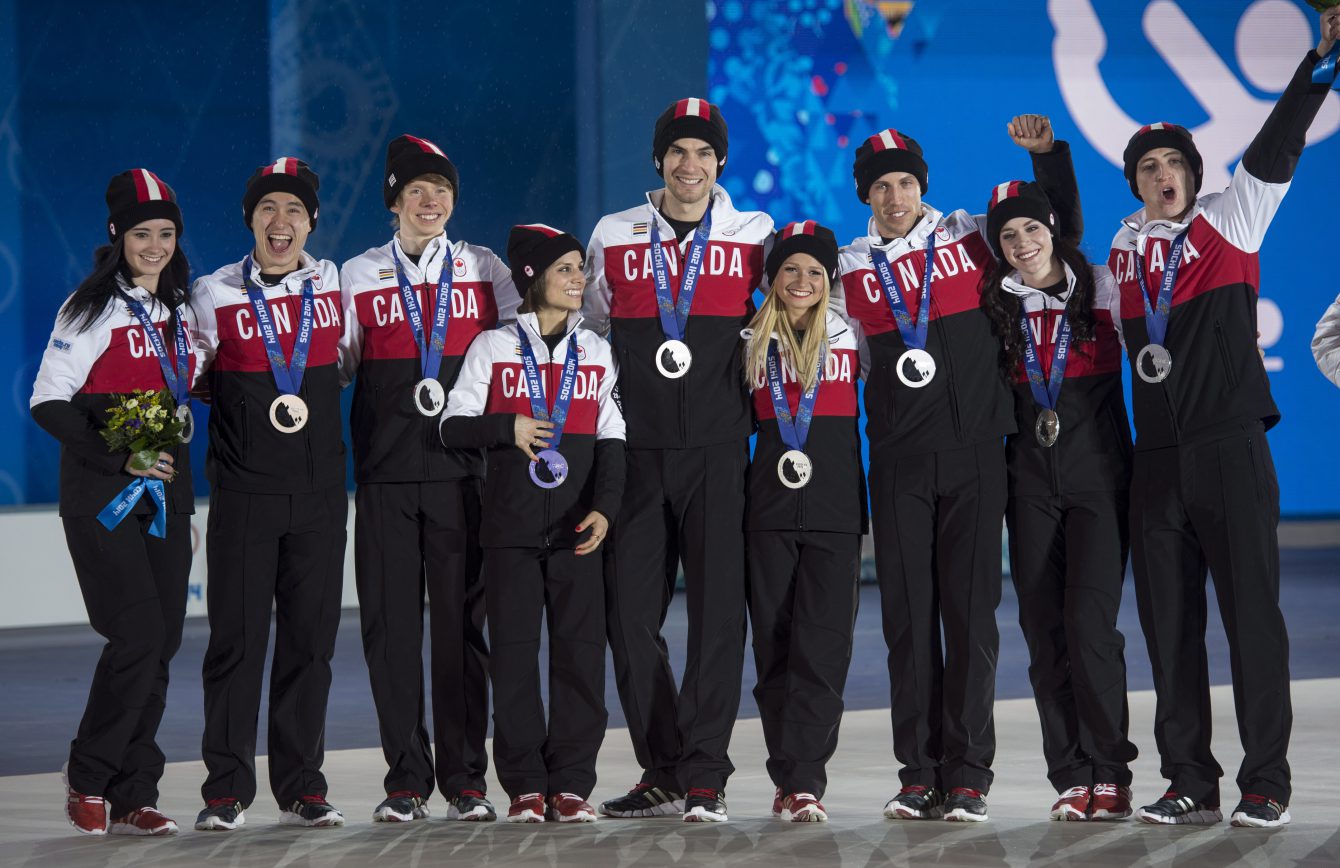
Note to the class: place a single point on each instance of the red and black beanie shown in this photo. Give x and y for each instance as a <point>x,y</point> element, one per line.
<point>803,236</point>
<point>408,157</point>
<point>690,119</point>
<point>534,247</point>
<point>284,175</point>
<point>137,195</point>
<point>884,152</point>
<point>1017,199</point>
<point>1161,135</point>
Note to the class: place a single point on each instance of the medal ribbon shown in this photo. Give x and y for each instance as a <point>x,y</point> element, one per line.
<point>178,380</point>
<point>1046,393</point>
<point>794,430</point>
<point>914,336</point>
<point>287,374</point>
<point>120,507</point>
<point>675,314</point>
<point>1156,317</point>
<point>1325,70</point>
<point>430,353</point>
<point>539,407</point>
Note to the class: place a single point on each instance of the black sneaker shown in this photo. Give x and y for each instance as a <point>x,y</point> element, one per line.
<point>400,807</point>
<point>1178,810</point>
<point>471,806</point>
<point>965,806</point>
<point>915,802</point>
<point>705,806</point>
<point>644,800</point>
<point>1260,813</point>
<point>220,815</point>
<point>313,811</point>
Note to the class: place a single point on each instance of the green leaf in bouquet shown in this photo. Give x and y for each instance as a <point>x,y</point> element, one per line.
<point>144,459</point>
<point>1322,5</point>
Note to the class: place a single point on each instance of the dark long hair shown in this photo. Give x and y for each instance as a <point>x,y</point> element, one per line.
<point>1002,307</point>
<point>89,299</point>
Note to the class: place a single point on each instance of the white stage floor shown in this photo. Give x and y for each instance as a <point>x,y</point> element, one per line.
<point>33,830</point>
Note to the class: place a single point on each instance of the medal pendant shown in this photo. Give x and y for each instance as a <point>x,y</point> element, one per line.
<point>288,413</point>
<point>1048,427</point>
<point>1153,363</point>
<point>794,469</point>
<point>429,397</point>
<point>916,368</point>
<point>550,470</point>
<point>187,420</point>
<point>673,359</point>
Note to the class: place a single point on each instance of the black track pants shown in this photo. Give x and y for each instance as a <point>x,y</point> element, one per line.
<point>286,552</point>
<point>680,505</point>
<point>803,592</point>
<point>410,537</point>
<point>134,588</point>
<point>1068,562</point>
<point>937,521</point>
<point>1213,505</point>
<point>523,586</point>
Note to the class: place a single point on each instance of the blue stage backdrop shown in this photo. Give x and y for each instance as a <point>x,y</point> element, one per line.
<point>803,82</point>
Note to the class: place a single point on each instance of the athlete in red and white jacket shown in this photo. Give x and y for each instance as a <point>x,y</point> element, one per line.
<point>417,500</point>
<point>1204,491</point>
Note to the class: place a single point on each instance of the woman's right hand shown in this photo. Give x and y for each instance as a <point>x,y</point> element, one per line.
<point>531,433</point>
<point>161,470</point>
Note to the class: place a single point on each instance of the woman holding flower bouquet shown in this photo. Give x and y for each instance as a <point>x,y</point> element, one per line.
<point>112,389</point>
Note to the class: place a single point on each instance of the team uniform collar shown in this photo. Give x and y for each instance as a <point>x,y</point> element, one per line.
<point>833,323</point>
<point>531,323</point>
<point>307,267</point>
<point>915,238</point>
<point>1014,285</point>
<point>722,207</point>
<point>134,290</point>
<point>435,248</point>
<point>1142,225</point>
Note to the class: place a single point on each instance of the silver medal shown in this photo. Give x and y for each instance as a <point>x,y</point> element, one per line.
<point>1153,363</point>
<point>187,420</point>
<point>673,359</point>
<point>288,413</point>
<point>794,469</point>
<point>916,368</point>
<point>1048,427</point>
<point>429,397</point>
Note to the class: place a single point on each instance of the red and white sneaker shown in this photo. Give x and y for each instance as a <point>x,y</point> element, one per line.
<point>777,803</point>
<point>570,808</point>
<point>88,814</point>
<point>1072,805</point>
<point>526,809</point>
<point>1110,802</point>
<point>144,821</point>
<point>803,808</point>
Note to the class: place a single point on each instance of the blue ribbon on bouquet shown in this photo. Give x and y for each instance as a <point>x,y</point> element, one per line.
<point>1325,72</point>
<point>121,505</point>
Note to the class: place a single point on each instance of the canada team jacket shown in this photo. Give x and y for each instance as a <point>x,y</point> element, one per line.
<point>834,498</point>
<point>481,412</point>
<point>392,441</point>
<point>967,401</point>
<point>81,375</point>
<point>246,452</point>
<point>1093,452</point>
<point>709,404</point>
<point>1217,380</point>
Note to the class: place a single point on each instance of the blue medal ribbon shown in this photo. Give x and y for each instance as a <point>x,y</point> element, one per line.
<point>675,314</point>
<point>794,430</point>
<point>287,373</point>
<point>178,381</point>
<point>121,505</point>
<point>1046,392</point>
<point>1325,70</point>
<point>539,407</point>
<point>430,351</point>
<point>914,336</point>
<point>1156,316</point>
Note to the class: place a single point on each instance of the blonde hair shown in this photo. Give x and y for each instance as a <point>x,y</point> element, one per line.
<point>771,319</point>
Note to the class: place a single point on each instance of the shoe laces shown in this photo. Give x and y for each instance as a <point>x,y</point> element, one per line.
<point>1075,793</point>
<point>313,800</point>
<point>528,797</point>
<point>704,793</point>
<point>964,791</point>
<point>1105,789</point>
<point>85,800</point>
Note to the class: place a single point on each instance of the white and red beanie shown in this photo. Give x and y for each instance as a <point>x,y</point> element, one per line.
<point>408,157</point>
<point>884,152</point>
<point>803,236</point>
<point>284,175</point>
<point>1017,199</point>
<point>1161,135</point>
<point>691,118</point>
<point>137,195</point>
<point>532,248</point>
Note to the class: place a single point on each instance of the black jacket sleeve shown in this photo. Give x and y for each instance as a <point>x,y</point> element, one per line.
<point>1273,154</point>
<point>76,432</point>
<point>1055,173</point>
<point>479,432</point>
<point>611,469</point>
